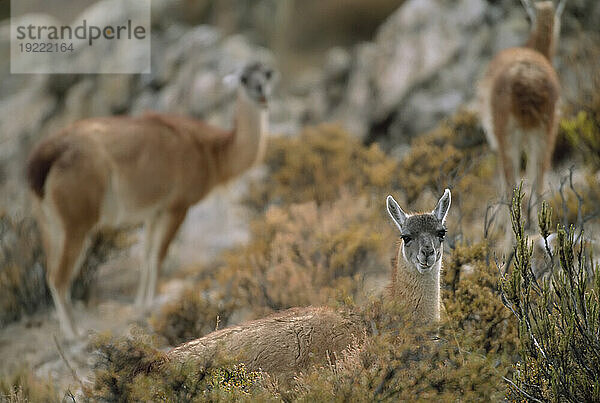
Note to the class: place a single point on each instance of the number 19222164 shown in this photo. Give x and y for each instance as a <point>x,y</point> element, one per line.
<point>46,47</point>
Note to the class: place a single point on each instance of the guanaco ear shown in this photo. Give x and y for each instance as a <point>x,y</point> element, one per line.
<point>397,214</point>
<point>443,205</point>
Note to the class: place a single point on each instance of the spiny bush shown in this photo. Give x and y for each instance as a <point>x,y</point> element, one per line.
<point>193,314</point>
<point>559,325</point>
<point>132,369</point>
<point>22,267</point>
<point>317,165</point>
<point>118,362</point>
<point>306,254</point>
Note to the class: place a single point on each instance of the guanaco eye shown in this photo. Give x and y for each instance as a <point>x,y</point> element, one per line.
<point>269,74</point>
<point>406,238</point>
<point>244,79</point>
<point>441,234</point>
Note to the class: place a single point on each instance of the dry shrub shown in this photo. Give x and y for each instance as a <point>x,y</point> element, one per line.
<point>410,367</point>
<point>475,347</point>
<point>22,267</point>
<point>580,129</point>
<point>442,158</point>
<point>401,362</point>
<point>307,254</point>
<point>118,362</point>
<point>454,156</point>
<point>132,369</point>
<point>22,275</point>
<point>23,386</point>
<point>193,314</point>
<point>575,203</point>
<point>318,165</point>
<point>473,304</point>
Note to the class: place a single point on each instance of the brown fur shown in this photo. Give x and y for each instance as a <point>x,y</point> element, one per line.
<point>418,291</point>
<point>297,339</point>
<point>127,170</point>
<point>519,98</point>
<point>40,162</point>
<point>542,36</point>
<point>281,344</point>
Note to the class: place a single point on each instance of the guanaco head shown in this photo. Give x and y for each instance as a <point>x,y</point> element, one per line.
<point>257,81</point>
<point>422,234</point>
<point>545,24</point>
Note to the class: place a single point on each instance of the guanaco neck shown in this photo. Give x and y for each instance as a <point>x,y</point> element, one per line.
<point>249,136</point>
<point>542,35</point>
<point>419,291</point>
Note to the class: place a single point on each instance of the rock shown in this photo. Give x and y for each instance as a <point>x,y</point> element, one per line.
<point>353,113</point>
<point>412,49</point>
<point>22,117</point>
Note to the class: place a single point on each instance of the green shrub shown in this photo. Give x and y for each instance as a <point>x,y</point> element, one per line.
<point>583,133</point>
<point>559,325</point>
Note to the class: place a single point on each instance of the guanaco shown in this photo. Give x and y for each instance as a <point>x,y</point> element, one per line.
<point>150,169</point>
<point>296,339</point>
<point>519,100</point>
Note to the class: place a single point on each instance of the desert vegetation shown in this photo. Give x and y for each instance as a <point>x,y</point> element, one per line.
<point>515,325</point>
<point>308,250</point>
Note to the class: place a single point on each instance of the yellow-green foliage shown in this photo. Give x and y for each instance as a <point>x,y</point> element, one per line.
<point>320,163</point>
<point>583,133</point>
<point>472,301</point>
<point>577,203</point>
<point>193,314</point>
<point>559,326</point>
<point>23,386</point>
<point>309,254</point>
<point>132,369</point>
